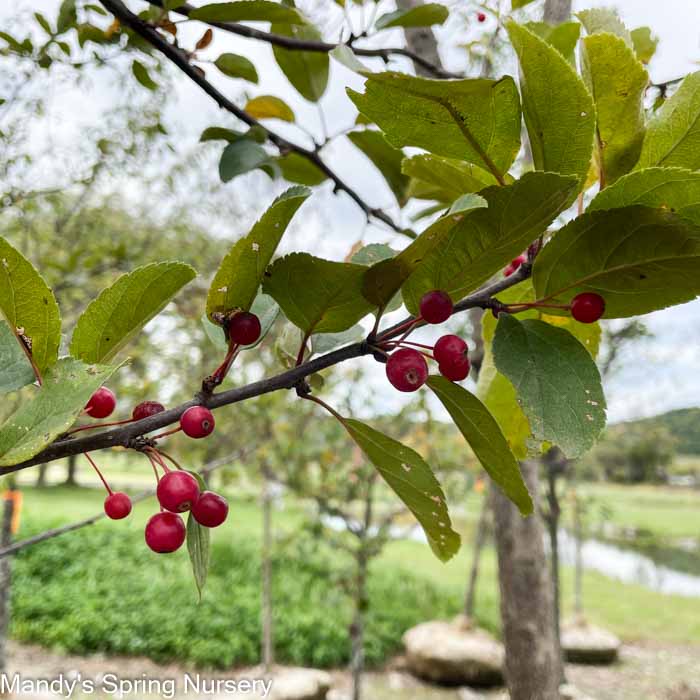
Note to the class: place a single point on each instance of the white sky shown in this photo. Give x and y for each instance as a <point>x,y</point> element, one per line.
<point>659,374</point>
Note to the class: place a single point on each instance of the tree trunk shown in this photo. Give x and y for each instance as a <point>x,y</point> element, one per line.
<point>532,657</point>
<point>421,40</point>
<point>72,468</point>
<point>357,628</point>
<point>41,476</point>
<point>553,518</point>
<point>557,11</point>
<point>267,650</point>
<point>5,579</point>
<point>479,542</point>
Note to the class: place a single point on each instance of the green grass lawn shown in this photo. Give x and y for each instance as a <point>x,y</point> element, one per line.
<point>607,602</point>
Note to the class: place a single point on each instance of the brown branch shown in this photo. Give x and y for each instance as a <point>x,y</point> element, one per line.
<point>294,44</point>
<point>180,59</point>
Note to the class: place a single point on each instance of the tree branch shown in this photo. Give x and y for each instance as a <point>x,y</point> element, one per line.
<point>294,44</point>
<point>178,57</point>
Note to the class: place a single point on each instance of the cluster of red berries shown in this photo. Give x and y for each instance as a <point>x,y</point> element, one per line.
<point>406,367</point>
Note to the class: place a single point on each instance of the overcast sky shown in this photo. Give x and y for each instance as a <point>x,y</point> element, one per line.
<point>658,375</point>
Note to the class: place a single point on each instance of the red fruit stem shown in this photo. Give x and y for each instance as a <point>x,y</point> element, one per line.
<point>154,465</point>
<point>167,432</point>
<point>222,370</point>
<point>409,342</point>
<point>99,425</point>
<point>302,349</point>
<point>171,459</point>
<point>99,473</point>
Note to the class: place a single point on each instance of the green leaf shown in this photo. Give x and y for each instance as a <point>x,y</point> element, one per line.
<point>644,44</point>
<point>269,107</point>
<point>241,157</point>
<point>558,109</point>
<point>407,473</point>
<point>420,16</point>
<point>485,240</point>
<point>373,253</point>
<point>307,71</point>
<point>142,75</point>
<point>29,306</point>
<point>466,203</point>
<point>345,55</point>
<point>296,168</point>
<point>556,379</point>
<point>325,342</point>
<point>198,538</point>
<point>444,179</point>
<point>67,16</point>
<point>486,439</point>
<point>675,189</point>
<point>563,37</point>
<point>673,135</point>
<point>219,133</point>
<point>68,386</point>
<point>43,23</point>
<point>236,282</point>
<point>235,66</point>
<point>385,157</point>
<point>15,370</point>
<point>617,81</point>
<point>638,259</point>
<point>471,120</point>
<point>318,296</point>
<point>248,11</point>
<point>124,308</point>
<point>603,20</point>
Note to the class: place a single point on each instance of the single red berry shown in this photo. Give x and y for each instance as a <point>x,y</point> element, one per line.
<point>587,307</point>
<point>449,346</point>
<point>407,369</point>
<point>436,306</point>
<point>455,368</point>
<point>177,491</point>
<point>165,532</point>
<point>101,403</point>
<point>117,505</point>
<point>210,509</point>
<point>514,265</point>
<point>481,17</point>
<point>146,409</point>
<point>244,328</point>
<point>197,422</point>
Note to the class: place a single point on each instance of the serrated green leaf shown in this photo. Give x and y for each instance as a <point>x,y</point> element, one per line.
<point>407,473</point>
<point>296,168</point>
<point>235,66</point>
<point>124,308</point>
<point>269,107</point>
<point>247,11</point>
<point>471,120</point>
<point>563,37</point>
<point>617,81</point>
<point>644,44</point>
<point>558,109</point>
<point>68,386</point>
<point>420,16</point>
<point>238,278</point>
<point>638,259</point>
<point>675,189</point>
<point>486,239</point>
<point>318,296</point>
<point>241,157</point>
<point>385,157</point>
<point>486,439</point>
<point>557,382</point>
<point>673,134</point>
<point>15,370</point>
<point>444,179</point>
<point>142,75</point>
<point>307,71</point>
<point>198,540</point>
<point>29,306</point>
<point>604,20</point>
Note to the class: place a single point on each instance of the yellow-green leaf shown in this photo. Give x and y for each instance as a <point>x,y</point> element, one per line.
<point>269,107</point>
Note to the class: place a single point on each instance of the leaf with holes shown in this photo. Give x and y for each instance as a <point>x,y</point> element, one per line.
<point>198,541</point>
<point>307,71</point>
<point>236,282</point>
<point>638,259</point>
<point>124,308</point>
<point>558,109</point>
<point>556,380</point>
<point>29,306</point>
<point>470,120</point>
<point>414,483</point>
<point>487,239</point>
<point>247,11</point>
<point>68,386</point>
<point>424,15</point>
<point>673,134</point>
<point>318,296</point>
<point>15,370</point>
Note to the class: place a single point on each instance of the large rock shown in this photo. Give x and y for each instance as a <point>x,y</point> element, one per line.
<point>586,644</point>
<point>454,654</point>
<point>300,684</point>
